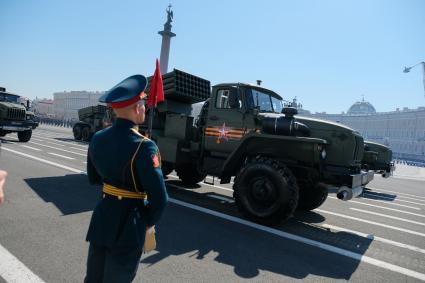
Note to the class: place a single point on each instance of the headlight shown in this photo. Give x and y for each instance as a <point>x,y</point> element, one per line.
<point>323,154</point>
<point>28,117</point>
<point>322,151</point>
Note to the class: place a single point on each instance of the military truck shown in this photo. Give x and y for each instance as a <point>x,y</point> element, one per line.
<point>15,116</point>
<point>91,120</point>
<point>280,161</point>
<point>376,157</point>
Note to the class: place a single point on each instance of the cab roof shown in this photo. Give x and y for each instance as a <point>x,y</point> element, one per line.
<point>256,87</point>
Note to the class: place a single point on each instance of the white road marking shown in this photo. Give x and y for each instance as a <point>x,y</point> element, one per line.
<point>85,149</point>
<point>382,207</point>
<point>30,147</point>
<point>66,143</point>
<point>12,270</point>
<point>60,149</point>
<point>355,256</point>
<point>54,143</point>
<point>377,190</point>
<point>371,222</point>
<point>323,246</point>
<point>375,238</point>
<point>45,161</point>
<point>45,135</point>
<point>404,177</point>
<point>388,216</point>
<point>391,203</point>
<point>229,200</point>
<point>9,142</point>
<point>393,199</point>
<point>62,156</point>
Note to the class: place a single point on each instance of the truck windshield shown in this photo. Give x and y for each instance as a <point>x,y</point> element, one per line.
<point>9,97</point>
<point>264,101</point>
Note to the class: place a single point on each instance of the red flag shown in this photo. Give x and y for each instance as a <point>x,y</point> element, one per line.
<point>156,91</point>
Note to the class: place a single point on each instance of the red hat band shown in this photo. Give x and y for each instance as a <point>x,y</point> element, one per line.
<point>126,103</point>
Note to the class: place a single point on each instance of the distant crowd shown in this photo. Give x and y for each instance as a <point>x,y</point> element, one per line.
<point>56,122</point>
<point>410,162</point>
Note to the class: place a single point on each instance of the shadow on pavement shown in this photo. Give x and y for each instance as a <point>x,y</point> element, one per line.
<point>70,193</point>
<point>8,140</point>
<point>186,233</point>
<point>71,140</point>
<point>179,183</point>
<point>370,194</point>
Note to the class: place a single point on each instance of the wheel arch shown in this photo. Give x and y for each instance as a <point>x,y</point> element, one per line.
<point>299,150</point>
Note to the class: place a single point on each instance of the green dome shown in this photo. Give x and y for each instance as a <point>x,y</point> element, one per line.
<point>361,107</point>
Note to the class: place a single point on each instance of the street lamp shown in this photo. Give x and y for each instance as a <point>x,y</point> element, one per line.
<point>407,70</point>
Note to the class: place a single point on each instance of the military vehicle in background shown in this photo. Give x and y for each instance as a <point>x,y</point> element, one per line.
<point>91,120</point>
<point>279,161</point>
<point>376,158</point>
<point>15,116</point>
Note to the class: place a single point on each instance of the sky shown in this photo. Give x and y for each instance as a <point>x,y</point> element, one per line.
<point>327,53</point>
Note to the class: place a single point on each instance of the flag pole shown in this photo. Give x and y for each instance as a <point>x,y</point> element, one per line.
<point>151,113</point>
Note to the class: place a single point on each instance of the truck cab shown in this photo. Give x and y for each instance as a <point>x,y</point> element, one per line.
<point>15,117</point>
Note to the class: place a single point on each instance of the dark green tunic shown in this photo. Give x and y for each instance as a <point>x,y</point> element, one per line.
<point>122,223</point>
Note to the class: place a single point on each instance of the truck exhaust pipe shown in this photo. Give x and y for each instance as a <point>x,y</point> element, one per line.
<point>345,193</point>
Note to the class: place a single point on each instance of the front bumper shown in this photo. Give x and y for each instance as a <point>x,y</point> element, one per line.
<point>358,181</point>
<point>18,126</point>
<point>361,178</point>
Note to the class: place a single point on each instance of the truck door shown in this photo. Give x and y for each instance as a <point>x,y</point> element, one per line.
<point>225,122</point>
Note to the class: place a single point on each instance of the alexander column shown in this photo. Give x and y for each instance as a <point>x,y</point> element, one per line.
<point>166,39</point>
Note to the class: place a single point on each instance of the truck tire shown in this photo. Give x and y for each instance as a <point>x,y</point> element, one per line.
<point>77,132</point>
<point>85,134</point>
<point>266,191</point>
<point>190,174</point>
<point>24,136</point>
<point>312,196</point>
<point>166,168</point>
<point>2,133</point>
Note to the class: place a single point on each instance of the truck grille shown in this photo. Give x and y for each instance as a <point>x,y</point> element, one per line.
<point>15,114</point>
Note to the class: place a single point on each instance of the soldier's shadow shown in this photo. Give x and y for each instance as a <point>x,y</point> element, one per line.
<point>249,250</point>
<point>70,193</point>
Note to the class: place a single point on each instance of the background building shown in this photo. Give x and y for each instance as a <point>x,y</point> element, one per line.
<point>67,104</point>
<point>43,107</point>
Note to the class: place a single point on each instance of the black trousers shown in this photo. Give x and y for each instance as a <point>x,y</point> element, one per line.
<point>106,265</point>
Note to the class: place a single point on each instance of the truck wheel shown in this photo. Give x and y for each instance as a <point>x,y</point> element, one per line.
<point>24,136</point>
<point>266,191</point>
<point>312,196</point>
<point>2,133</point>
<point>77,132</point>
<point>190,174</point>
<point>166,168</point>
<point>86,134</point>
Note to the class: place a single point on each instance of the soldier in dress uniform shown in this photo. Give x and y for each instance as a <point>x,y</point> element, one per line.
<point>127,164</point>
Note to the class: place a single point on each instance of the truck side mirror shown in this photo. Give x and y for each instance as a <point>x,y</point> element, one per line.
<point>233,99</point>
